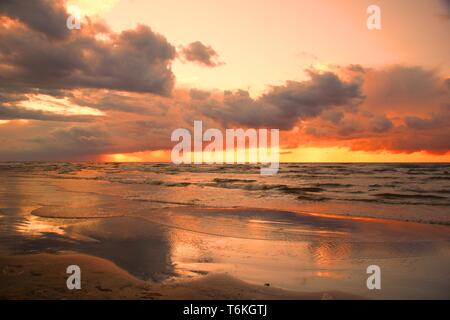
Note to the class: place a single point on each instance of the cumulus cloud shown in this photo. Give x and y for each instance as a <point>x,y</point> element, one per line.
<point>199,53</point>
<point>136,60</point>
<point>350,126</point>
<point>44,16</point>
<point>328,111</point>
<point>283,106</point>
<point>406,109</point>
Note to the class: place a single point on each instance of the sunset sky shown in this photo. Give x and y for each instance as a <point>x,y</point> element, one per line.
<point>137,69</point>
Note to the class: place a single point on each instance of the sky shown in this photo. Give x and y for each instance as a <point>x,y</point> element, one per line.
<point>115,89</point>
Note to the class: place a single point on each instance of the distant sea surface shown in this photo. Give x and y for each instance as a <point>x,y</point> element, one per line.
<point>417,192</point>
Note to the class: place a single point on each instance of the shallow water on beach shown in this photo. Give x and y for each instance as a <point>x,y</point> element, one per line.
<point>310,228</point>
<point>408,191</point>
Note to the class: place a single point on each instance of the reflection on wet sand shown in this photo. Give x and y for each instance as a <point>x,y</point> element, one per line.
<point>305,262</point>
<point>157,242</point>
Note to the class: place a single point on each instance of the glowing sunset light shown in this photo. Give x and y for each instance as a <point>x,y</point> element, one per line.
<point>224,149</point>
<point>117,87</point>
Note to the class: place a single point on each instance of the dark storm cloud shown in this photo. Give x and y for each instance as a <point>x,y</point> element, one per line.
<point>284,105</point>
<point>45,16</point>
<point>201,54</point>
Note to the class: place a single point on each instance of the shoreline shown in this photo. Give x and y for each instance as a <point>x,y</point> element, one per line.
<point>25,277</point>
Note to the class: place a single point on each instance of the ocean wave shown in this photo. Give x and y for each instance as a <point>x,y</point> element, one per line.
<point>438,178</point>
<point>310,197</point>
<point>167,184</point>
<point>397,201</point>
<point>244,186</point>
<point>408,196</point>
<point>227,180</point>
<point>301,190</point>
<point>333,185</point>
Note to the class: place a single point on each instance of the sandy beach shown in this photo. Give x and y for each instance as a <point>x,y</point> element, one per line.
<point>130,247</point>
<point>27,277</point>
<point>134,263</point>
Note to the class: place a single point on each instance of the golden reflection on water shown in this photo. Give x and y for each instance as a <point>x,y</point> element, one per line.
<point>325,253</point>
<point>34,226</point>
<point>247,250</point>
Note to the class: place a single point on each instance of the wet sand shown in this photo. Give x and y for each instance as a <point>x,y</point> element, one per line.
<point>28,277</point>
<point>154,250</point>
<point>227,253</point>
